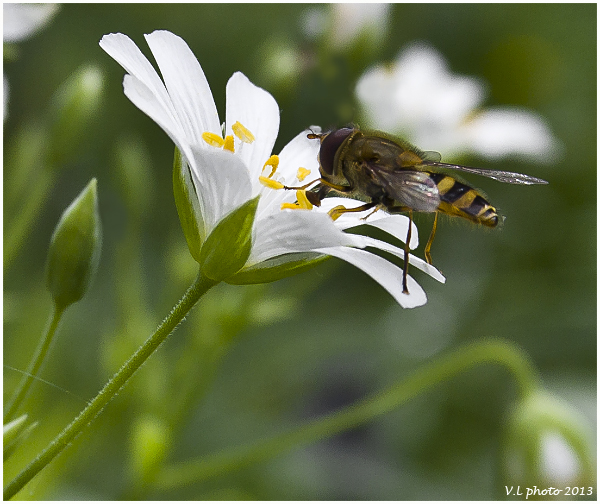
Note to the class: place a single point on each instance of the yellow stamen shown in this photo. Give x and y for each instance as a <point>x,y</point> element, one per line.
<point>228,144</point>
<point>213,139</point>
<point>270,183</point>
<point>290,206</point>
<point>303,200</point>
<point>273,162</point>
<point>302,173</point>
<point>243,133</point>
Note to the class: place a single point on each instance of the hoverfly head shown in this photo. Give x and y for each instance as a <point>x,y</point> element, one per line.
<point>330,143</point>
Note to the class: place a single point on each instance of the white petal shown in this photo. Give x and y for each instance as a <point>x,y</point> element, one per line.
<point>384,272</point>
<point>348,219</point>
<point>256,110</point>
<point>417,262</point>
<point>299,152</point>
<point>23,20</point>
<point>222,184</point>
<point>186,84</point>
<point>296,231</point>
<point>148,102</point>
<point>121,48</point>
<point>418,94</point>
<point>499,132</point>
<point>396,225</point>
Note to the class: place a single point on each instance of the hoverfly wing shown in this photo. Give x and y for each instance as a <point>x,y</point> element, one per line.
<point>413,189</point>
<point>500,176</point>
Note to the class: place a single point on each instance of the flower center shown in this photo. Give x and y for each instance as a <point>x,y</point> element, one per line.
<point>302,201</point>
<point>269,169</point>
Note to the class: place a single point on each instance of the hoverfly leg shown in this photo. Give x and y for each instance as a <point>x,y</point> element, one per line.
<point>430,241</point>
<point>299,188</point>
<point>335,212</point>
<point>406,255</point>
<point>378,207</point>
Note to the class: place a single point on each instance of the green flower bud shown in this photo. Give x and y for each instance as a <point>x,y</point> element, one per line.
<point>547,445</point>
<point>74,250</point>
<point>228,247</point>
<point>150,442</point>
<point>187,205</point>
<point>73,106</point>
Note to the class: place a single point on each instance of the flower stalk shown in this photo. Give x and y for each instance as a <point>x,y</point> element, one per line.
<point>430,375</point>
<point>200,286</point>
<point>34,365</point>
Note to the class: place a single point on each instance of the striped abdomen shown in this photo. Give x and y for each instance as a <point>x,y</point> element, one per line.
<point>461,200</point>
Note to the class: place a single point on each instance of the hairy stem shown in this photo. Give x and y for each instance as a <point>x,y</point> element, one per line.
<point>112,387</point>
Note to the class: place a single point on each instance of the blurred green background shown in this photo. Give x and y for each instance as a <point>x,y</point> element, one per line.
<point>253,361</point>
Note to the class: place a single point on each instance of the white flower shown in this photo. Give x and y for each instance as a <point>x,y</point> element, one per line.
<point>419,98</point>
<point>225,169</point>
<point>21,21</point>
<point>346,23</point>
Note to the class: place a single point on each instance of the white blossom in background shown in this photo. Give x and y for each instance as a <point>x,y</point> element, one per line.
<point>558,461</point>
<point>226,165</point>
<point>417,97</point>
<point>343,23</point>
<point>21,21</point>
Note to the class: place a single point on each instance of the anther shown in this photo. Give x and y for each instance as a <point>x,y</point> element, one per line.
<point>290,206</point>
<point>228,144</point>
<point>243,133</point>
<point>273,162</point>
<point>213,139</point>
<point>302,173</point>
<point>270,183</point>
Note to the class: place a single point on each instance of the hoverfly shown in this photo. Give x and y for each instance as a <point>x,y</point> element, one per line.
<point>391,175</point>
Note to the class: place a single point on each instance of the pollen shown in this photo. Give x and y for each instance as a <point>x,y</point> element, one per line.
<point>303,200</point>
<point>270,183</point>
<point>273,162</point>
<point>228,144</point>
<point>243,133</point>
<point>302,173</point>
<point>212,139</point>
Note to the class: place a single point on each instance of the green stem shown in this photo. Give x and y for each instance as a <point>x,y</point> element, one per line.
<point>112,387</point>
<point>423,379</point>
<point>34,365</point>
<point>19,227</point>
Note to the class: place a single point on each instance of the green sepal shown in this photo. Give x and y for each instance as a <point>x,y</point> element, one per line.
<point>74,251</point>
<point>187,205</point>
<point>228,247</point>
<point>275,270</point>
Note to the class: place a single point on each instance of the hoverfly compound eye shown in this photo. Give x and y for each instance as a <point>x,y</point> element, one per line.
<point>329,147</point>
